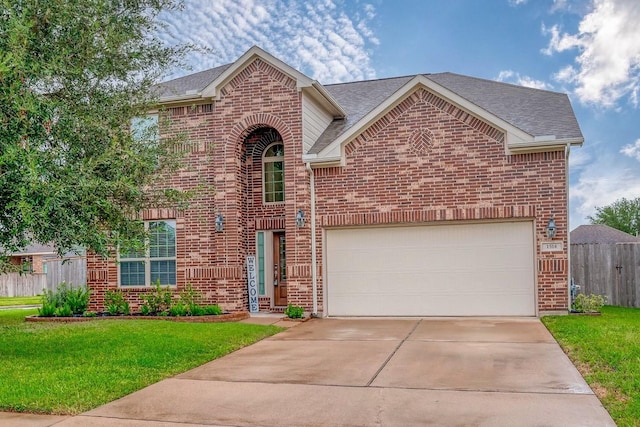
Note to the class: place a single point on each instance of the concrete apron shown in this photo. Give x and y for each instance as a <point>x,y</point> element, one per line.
<point>366,372</point>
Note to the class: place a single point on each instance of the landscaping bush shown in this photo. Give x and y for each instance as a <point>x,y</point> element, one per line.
<point>294,312</point>
<point>213,310</point>
<point>48,309</point>
<point>197,310</point>
<point>77,299</point>
<point>179,309</point>
<point>115,303</point>
<point>588,303</point>
<point>67,301</point>
<point>64,301</point>
<point>158,301</point>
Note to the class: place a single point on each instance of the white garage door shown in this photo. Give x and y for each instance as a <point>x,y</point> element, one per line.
<point>437,270</point>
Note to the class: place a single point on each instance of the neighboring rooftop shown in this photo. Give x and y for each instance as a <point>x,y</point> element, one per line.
<point>599,233</point>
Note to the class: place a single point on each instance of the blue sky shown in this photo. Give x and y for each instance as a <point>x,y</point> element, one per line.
<point>589,49</point>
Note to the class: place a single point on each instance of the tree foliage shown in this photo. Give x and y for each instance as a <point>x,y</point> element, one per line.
<point>623,215</point>
<point>73,75</point>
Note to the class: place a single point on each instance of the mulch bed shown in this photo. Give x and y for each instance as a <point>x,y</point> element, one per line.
<point>227,317</point>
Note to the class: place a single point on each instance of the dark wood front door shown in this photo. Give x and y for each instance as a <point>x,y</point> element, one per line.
<point>279,269</point>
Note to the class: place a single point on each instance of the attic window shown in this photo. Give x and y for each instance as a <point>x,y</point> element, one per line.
<point>273,173</point>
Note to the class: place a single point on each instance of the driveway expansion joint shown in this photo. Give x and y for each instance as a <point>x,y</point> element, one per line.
<point>395,350</point>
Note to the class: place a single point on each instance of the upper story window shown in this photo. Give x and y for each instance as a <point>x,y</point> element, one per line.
<point>273,173</point>
<point>145,128</point>
<point>156,262</point>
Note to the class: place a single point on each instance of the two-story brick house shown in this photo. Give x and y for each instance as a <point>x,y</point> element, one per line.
<point>420,195</point>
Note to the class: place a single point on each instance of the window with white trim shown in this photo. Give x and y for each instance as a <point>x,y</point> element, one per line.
<point>156,262</point>
<point>273,173</point>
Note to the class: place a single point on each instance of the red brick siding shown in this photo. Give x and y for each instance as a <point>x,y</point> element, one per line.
<point>226,172</point>
<point>425,161</point>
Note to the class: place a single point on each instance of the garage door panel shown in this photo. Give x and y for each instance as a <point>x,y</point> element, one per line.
<point>467,269</point>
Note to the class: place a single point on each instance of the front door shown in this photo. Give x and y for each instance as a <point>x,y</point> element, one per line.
<point>279,269</point>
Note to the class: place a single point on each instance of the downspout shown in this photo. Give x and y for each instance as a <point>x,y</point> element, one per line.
<point>314,261</point>
<point>567,152</point>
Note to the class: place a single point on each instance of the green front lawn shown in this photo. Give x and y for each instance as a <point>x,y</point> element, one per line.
<point>7,301</point>
<point>606,350</point>
<point>71,368</point>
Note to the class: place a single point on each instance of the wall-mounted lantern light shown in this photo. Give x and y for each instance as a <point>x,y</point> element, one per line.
<point>300,218</point>
<point>551,229</point>
<point>219,223</point>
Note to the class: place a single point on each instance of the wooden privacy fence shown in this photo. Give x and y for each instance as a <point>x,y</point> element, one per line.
<point>74,272</point>
<point>22,285</point>
<point>612,270</point>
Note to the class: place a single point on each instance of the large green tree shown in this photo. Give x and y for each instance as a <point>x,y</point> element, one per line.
<point>73,76</point>
<point>623,214</point>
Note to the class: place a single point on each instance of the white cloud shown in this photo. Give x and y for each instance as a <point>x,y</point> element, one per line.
<point>517,2</point>
<point>578,158</point>
<point>559,5</point>
<point>600,180</point>
<point>607,67</point>
<point>632,150</point>
<point>509,76</point>
<point>323,39</point>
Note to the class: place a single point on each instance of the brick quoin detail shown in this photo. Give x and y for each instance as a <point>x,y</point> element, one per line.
<point>425,161</point>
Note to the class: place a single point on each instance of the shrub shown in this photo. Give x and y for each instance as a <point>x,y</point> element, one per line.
<point>213,310</point>
<point>158,301</point>
<point>591,303</point>
<point>65,301</point>
<point>294,312</point>
<point>178,309</point>
<point>77,299</point>
<point>196,310</point>
<point>115,303</point>
<point>48,309</point>
<point>190,296</point>
<point>64,311</point>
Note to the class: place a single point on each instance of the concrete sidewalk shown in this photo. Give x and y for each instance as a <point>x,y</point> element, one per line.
<point>363,372</point>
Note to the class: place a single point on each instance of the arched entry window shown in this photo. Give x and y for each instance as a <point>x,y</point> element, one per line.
<point>273,173</point>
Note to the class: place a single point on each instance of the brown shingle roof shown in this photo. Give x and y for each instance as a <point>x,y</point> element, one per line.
<point>599,233</point>
<point>534,111</point>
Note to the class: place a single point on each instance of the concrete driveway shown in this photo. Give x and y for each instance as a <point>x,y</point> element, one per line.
<point>368,372</point>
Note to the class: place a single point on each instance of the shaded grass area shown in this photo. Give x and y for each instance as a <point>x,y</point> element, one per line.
<point>606,351</point>
<point>8,301</point>
<point>71,368</point>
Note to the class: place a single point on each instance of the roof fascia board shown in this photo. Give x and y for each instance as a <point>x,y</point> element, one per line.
<point>178,98</point>
<point>213,89</point>
<point>537,146</point>
<point>513,134</point>
<point>321,162</point>
<point>324,98</point>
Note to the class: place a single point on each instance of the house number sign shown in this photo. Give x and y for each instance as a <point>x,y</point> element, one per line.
<point>551,247</point>
<point>252,284</point>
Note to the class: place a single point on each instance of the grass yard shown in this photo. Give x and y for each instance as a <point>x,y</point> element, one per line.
<point>7,301</point>
<point>71,368</point>
<point>606,350</point>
